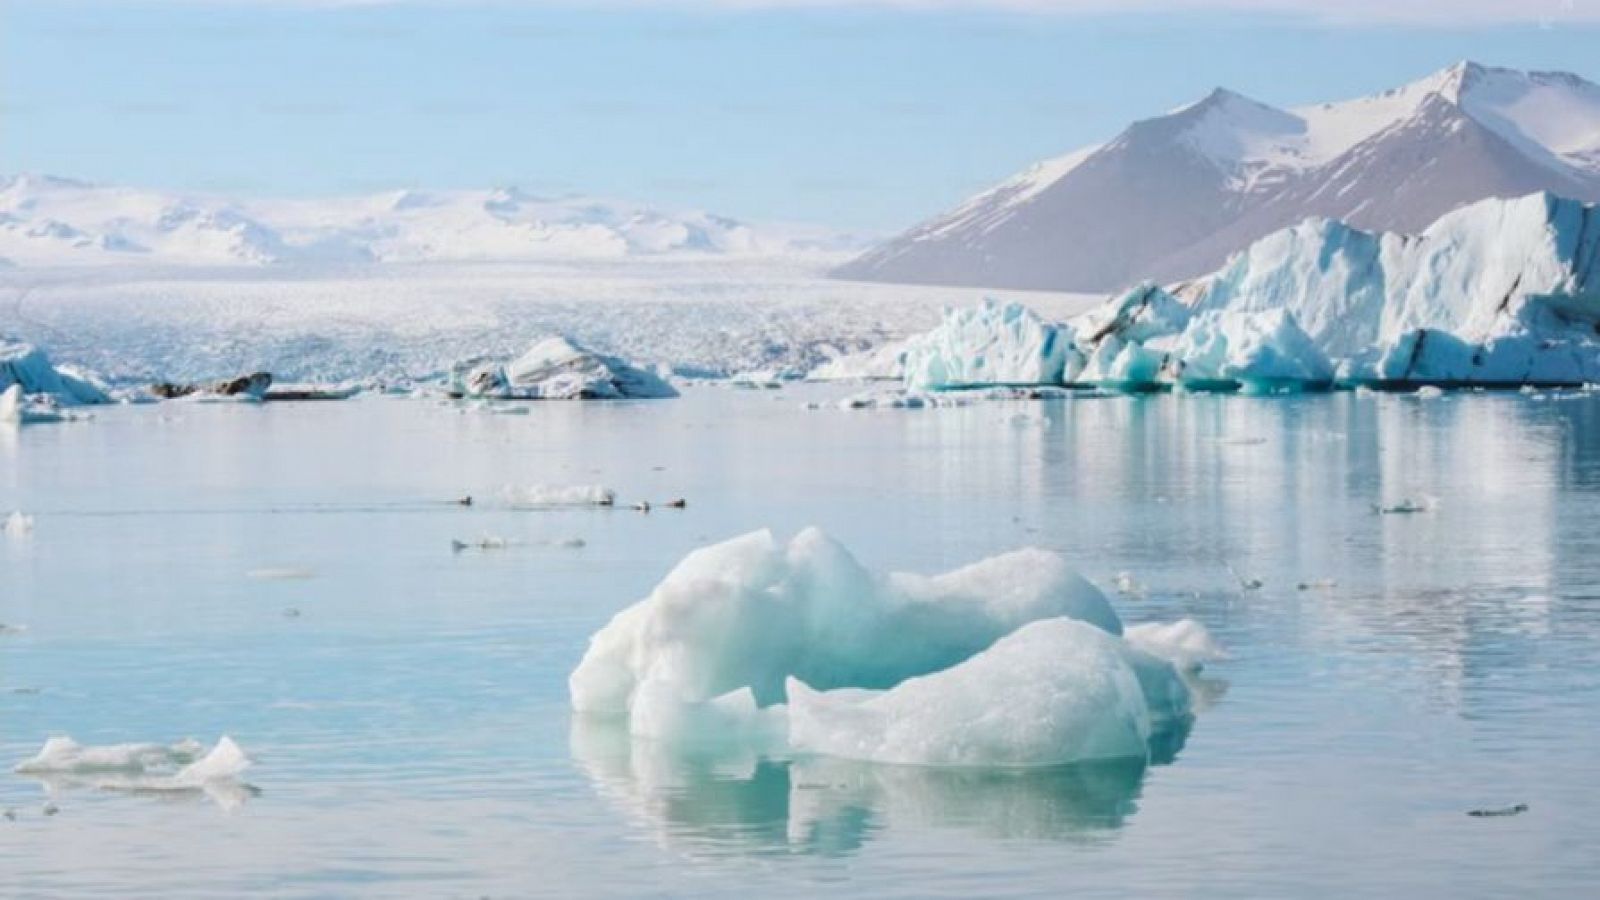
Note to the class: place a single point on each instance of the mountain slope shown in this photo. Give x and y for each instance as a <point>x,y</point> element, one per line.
<point>1173,196</point>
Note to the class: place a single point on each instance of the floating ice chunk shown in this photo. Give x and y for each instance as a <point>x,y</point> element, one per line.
<point>225,760</point>
<point>1184,643</point>
<point>18,525</point>
<point>1053,692</point>
<point>758,380</point>
<point>749,613</point>
<point>28,368</point>
<point>1429,392</point>
<point>546,495</point>
<point>1405,506</point>
<point>65,756</point>
<point>557,369</point>
<point>992,344</point>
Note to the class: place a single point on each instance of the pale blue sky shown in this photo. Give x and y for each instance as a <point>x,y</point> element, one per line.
<point>864,118</point>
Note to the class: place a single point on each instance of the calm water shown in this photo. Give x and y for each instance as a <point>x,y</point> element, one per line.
<point>410,725</point>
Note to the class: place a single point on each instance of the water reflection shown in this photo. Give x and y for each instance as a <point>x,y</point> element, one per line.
<point>228,794</point>
<point>707,801</point>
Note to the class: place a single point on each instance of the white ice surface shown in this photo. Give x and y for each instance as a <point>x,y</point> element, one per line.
<point>799,647</point>
<point>1052,692</point>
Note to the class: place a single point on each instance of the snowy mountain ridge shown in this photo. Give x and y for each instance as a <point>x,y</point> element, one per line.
<point>1172,196</point>
<point>50,221</point>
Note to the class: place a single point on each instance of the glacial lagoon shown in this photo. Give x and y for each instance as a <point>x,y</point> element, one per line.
<point>284,574</point>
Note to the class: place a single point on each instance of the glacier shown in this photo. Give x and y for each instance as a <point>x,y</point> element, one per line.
<point>555,368</point>
<point>1498,293</point>
<point>798,647</point>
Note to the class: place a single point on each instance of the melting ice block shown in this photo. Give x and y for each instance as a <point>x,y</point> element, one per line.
<point>755,641</point>
<point>992,344</point>
<point>30,369</point>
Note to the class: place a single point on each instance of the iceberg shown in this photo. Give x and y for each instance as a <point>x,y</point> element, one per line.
<point>557,369</point>
<point>798,646</point>
<point>1499,293</point>
<point>992,345</point>
<point>29,369</point>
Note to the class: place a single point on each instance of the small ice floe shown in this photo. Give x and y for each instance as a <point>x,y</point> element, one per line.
<point>764,380</point>
<point>280,574</point>
<point>1498,812</point>
<point>1128,585</point>
<point>678,503</point>
<point>642,506</point>
<point>1429,392</point>
<point>18,526</point>
<point>544,496</point>
<point>161,769</point>
<point>1246,583</point>
<point>494,542</point>
<point>1404,506</point>
<point>291,612</point>
<point>17,408</point>
<point>1320,584</point>
<point>1184,643</point>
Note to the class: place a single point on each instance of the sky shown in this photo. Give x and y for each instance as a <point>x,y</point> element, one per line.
<point>864,117</point>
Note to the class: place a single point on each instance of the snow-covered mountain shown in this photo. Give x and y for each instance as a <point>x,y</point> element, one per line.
<point>1171,197</point>
<point>47,221</point>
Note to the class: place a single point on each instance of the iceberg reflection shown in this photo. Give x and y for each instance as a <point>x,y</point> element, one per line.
<point>712,800</point>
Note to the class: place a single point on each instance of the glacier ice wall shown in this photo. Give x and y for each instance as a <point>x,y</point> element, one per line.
<point>1501,292</point>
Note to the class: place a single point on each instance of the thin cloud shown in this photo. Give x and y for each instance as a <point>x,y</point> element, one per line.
<point>1446,13</point>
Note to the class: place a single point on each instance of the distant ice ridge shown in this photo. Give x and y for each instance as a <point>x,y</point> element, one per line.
<point>557,369</point>
<point>799,647</point>
<point>50,221</point>
<point>1502,292</point>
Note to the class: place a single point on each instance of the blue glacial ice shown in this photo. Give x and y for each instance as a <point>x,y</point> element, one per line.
<point>39,381</point>
<point>1501,292</point>
<point>797,646</point>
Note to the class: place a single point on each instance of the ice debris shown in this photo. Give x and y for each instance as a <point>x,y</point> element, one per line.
<point>538,496</point>
<point>18,525</point>
<point>800,646</point>
<point>187,766</point>
<point>28,368</point>
<point>557,369</point>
